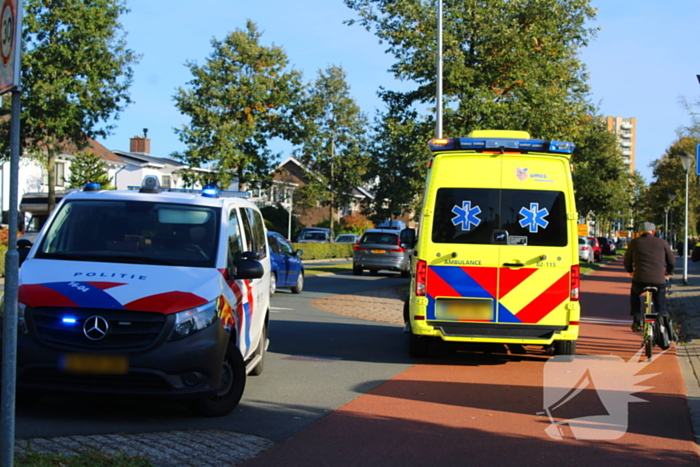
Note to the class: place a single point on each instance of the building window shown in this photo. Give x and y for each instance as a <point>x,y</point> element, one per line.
<point>165,181</point>
<point>60,175</point>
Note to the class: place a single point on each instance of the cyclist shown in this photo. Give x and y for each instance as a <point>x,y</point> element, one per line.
<point>649,260</point>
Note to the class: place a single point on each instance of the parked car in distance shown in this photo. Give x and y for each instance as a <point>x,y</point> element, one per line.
<point>607,245</point>
<point>315,235</point>
<point>381,249</point>
<point>585,250</point>
<point>347,238</point>
<point>597,249</point>
<point>287,270</point>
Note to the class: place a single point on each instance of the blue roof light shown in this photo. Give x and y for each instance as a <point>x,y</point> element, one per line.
<point>92,186</point>
<point>563,147</point>
<point>210,191</point>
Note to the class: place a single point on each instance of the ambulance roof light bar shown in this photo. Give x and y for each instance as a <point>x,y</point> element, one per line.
<point>495,144</point>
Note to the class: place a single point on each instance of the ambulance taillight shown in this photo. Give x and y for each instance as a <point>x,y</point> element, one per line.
<point>575,283</point>
<point>421,277</point>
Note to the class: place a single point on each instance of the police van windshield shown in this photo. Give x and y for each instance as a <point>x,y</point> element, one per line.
<point>133,231</point>
<point>494,216</point>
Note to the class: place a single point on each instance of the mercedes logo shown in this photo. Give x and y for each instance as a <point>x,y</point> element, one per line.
<point>95,328</point>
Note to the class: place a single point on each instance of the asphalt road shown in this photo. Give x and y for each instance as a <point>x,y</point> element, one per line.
<point>316,363</point>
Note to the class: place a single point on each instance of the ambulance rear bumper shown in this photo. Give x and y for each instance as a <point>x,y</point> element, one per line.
<point>461,331</point>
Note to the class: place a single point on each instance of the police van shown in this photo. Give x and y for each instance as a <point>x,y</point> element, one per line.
<point>146,292</point>
<point>496,259</point>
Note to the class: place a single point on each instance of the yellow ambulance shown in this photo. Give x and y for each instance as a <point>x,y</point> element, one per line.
<point>496,257</point>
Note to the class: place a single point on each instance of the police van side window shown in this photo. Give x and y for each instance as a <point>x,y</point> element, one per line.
<point>492,216</point>
<point>255,231</point>
<point>235,241</point>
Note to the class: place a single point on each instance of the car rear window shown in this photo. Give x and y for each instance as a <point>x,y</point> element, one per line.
<point>380,238</point>
<point>495,216</point>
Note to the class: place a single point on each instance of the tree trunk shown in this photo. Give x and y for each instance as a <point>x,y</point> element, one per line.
<point>51,169</point>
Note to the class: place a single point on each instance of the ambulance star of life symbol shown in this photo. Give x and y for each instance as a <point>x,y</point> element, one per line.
<point>466,215</point>
<point>598,388</point>
<point>534,217</point>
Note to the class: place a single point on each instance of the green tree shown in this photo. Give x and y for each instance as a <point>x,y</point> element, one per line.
<point>669,178</point>
<point>88,167</point>
<point>397,164</point>
<point>601,179</point>
<point>76,72</point>
<point>334,142</point>
<point>240,99</point>
<point>508,64</point>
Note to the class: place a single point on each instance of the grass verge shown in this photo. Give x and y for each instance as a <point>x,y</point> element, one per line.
<point>32,458</point>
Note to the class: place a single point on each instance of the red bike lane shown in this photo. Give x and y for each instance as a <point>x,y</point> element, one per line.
<point>474,407</point>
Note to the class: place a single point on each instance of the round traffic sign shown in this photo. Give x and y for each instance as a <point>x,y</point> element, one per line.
<point>7,32</point>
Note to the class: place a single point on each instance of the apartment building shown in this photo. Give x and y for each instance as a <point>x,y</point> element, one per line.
<point>625,129</point>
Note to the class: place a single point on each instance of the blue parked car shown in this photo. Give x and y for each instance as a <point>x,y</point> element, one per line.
<point>287,269</point>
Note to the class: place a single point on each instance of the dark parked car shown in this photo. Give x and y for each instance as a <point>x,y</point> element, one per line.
<point>287,268</point>
<point>608,246</point>
<point>381,249</point>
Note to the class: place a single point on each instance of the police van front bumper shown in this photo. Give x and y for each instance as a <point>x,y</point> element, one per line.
<point>190,367</point>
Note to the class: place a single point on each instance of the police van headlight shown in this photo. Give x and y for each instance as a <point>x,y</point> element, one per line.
<point>193,320</point>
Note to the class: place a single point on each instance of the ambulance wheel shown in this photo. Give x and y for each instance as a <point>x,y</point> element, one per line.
<point>418,346</point>
<point>232,385</point>
<point>273,283</point>
<point>258,369</point>
<point>357,270</point>
<point>299,286</point>
<point>406,312</point>
<point>566,348</point>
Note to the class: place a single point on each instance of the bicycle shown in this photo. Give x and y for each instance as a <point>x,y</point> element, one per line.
<point>648,328</point>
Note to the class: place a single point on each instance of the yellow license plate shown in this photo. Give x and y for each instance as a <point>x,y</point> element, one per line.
<point>94,364</point>
<point>464,309</point>
<point>380,252</point>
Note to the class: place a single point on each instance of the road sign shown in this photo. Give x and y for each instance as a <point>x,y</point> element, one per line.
<point>10,30</point>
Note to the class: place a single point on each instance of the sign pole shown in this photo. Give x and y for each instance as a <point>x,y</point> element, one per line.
<point>11,36</point>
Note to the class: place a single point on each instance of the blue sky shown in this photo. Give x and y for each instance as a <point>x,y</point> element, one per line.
<point>644,59</point>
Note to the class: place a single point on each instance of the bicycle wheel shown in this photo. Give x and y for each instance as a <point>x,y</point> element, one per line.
<point>648,340</point>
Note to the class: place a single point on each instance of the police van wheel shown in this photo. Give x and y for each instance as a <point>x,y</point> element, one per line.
<point>300,284</point>
<point>418,346</point>
<point>356,270</point>
<point>232,386</point>
<point>567,348</point>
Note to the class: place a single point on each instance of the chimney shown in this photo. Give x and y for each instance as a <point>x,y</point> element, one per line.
<point>140,144</point>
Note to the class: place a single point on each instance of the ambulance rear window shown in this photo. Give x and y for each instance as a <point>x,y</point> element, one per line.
<point>493,216</point>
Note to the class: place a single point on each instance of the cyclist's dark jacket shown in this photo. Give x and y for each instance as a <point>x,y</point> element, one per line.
<point>648,257</point>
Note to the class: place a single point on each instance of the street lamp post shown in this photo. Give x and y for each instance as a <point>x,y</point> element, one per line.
<point>666,235</point>
<point>686,160</point>
<point>671,199</point>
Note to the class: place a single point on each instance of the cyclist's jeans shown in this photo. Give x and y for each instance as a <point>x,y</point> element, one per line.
<point>659,298</point>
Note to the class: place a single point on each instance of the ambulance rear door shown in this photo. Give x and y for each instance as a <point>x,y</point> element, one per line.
<point>535,256</point>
